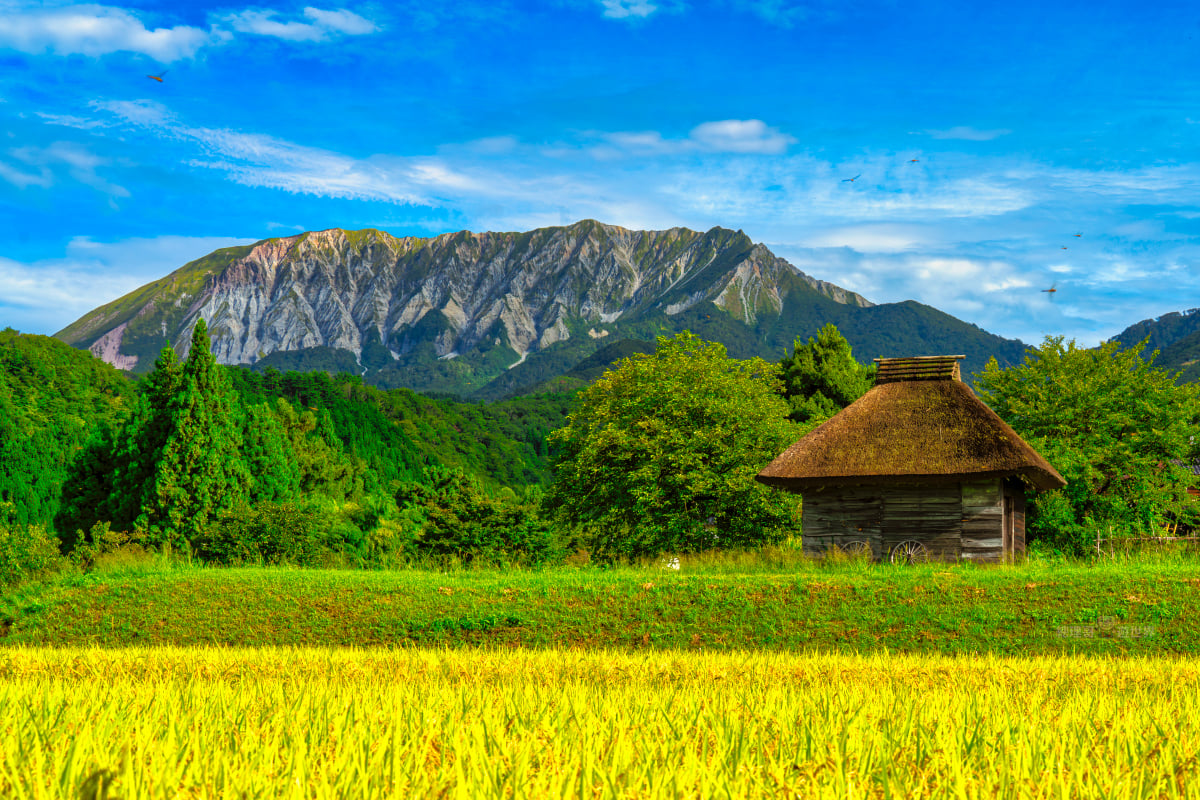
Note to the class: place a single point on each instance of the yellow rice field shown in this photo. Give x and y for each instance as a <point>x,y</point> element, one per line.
<point>276,723</point>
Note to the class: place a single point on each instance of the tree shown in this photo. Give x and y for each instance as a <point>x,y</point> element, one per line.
<point>1119,430</point>
<point>661,452</point>
<point>821,377</point>
<point>200,472</point>
<point>455,516</point>
<point>138,445</point>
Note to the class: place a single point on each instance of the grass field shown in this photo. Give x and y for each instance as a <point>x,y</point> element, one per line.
<point>763,601</point>
<point>312,723</point>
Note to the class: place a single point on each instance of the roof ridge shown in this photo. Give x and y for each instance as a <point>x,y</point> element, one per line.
<point>918,368</point>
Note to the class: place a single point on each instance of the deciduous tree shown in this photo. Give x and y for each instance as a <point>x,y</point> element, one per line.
<point>661,453</point>
<point>1120,430</point>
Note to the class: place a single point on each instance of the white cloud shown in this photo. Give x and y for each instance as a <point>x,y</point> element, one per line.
<point>625,9</point>
<point>740,136</point>
<point>751,136</point>
<point>320,25</point>
<point>968,133</point>
<point>94,30</point>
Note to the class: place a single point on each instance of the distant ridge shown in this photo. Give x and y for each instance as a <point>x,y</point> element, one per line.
<point>1175,335</point>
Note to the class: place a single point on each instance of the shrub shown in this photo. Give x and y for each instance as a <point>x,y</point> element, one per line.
<point>273,533</point>
<point>457,519</point>
<point>103,547</point>
<point>27,552</point>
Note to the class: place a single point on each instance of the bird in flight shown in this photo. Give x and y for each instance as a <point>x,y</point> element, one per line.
<point>157,77</point>
<point>852,180</point>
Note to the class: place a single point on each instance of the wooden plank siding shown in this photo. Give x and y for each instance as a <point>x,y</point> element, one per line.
<point>954,521</point>
<point>983,521</point>
<point>839,516</point>
<point>931,515</point>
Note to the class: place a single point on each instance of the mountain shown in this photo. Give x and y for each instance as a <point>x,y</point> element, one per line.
<point>1177,338</point>
<point>493,314</point>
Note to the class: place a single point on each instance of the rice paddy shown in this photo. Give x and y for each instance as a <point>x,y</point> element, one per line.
<point>171,722</point>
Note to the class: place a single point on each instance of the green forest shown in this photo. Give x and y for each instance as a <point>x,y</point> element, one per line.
<point>652,454</point>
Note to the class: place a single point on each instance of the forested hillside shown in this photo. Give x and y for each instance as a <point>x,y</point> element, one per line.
<point>1177,338</point>
<point>53,398</point>
<point>398,432</point>
<point>62,411</point>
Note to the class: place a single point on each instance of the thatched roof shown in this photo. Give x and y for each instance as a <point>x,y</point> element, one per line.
<point>919,422</point>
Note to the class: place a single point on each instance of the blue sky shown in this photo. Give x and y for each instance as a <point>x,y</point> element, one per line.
<point>986,136</point>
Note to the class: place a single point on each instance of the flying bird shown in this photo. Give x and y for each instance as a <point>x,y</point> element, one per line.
<point>157,77</point>
<point>852,180</point>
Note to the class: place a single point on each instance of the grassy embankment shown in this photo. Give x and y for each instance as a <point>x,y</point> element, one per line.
<point>306,723</point>
<point>1149,606</point>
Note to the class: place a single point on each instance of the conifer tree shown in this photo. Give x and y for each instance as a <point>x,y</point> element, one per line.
<point>138,445</point>
<point>200,472</point>
<point>821,377</point>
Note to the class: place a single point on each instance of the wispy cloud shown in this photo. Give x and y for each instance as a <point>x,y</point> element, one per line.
<point>975,236</point>
<point>968,133</point>
<point>787,13</point>
<point>79,163</point>
<point>628,9</point>
<point>318,24</point>
<point>94,30</point>
<point>721,136</point>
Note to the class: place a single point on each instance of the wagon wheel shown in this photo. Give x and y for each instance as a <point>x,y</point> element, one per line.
<point>858,549</point>
<point>910,551</point>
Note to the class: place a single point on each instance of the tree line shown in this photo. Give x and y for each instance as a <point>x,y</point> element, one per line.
<point>656,456</point>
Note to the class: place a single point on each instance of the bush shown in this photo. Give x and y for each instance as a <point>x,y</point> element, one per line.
<point>273,533</point>
<point>457,519</point>
<point>103,547</point>
<point>27,552</point>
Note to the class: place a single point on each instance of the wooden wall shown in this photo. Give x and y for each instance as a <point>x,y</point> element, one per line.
<point>841,515</point>
<point>983,521</point>
<point>953,521</point>
<point>930,514</point>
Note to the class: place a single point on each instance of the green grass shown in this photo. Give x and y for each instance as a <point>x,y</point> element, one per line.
<point>718,604</point>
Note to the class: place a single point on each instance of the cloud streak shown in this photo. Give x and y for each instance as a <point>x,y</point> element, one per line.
<point>319,26</point>
<point>96,30</point>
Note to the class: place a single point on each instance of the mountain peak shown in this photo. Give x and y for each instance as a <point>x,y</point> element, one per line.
<point>501,297</point>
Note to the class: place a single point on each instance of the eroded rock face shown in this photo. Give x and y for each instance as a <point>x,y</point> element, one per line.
<point>331,288</point>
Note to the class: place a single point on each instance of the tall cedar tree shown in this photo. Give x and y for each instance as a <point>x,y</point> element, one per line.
<point>200,473</point>
<point>138,446</point>
<point>821,377</point>
<point>661,453</point>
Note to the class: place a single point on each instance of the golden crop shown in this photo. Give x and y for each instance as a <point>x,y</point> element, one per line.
<point>279,723</point>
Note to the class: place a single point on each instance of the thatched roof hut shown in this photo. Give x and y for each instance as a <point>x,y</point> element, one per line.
<point>918,458</point>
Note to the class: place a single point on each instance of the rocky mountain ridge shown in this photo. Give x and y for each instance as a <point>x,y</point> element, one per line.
<point>345,289</point>
<point>490,314</point>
